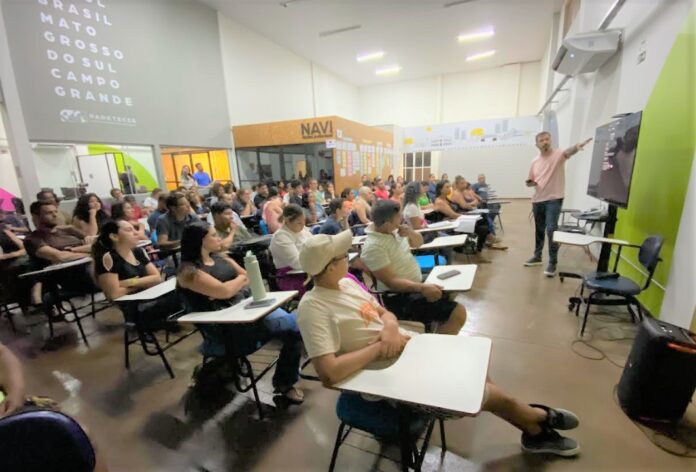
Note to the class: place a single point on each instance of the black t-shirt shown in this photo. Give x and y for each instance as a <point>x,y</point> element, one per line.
<point>259,201</point>
<point>112,263</point>
<point>169,225</point>
<point>221,270</point>
<point>238,207</point>
<point>6,243</point>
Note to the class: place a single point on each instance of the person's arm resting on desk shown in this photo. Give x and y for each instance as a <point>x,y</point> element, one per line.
<point>17,242</point>
<point>114,288</point>
<point>56,256</point>
<point>163,236</point>
<point>380,265</point>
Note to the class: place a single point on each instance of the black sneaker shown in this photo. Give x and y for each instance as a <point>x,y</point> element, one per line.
<point>550,270</point>
<point>534,261</point>
<point>549,442</point>
<point>557,418</point>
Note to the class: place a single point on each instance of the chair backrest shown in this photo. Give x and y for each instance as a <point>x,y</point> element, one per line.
<point>44,441</point>
<point>649,253</point>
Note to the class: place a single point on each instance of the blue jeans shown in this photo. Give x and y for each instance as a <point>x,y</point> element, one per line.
<point>379,417</point>
<point>244,340</point>
<point>546,222</point>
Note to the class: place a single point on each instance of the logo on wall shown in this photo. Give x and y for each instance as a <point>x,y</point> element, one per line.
<point>72,116</point>
<point>317,130</point>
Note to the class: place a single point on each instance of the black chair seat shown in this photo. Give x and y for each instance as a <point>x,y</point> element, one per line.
<point>613,286</point>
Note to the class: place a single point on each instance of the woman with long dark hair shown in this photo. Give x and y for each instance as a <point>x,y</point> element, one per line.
<point>121,267</point>
<point>209,280</point>
<point>313,211</point>
<point>89,214</point>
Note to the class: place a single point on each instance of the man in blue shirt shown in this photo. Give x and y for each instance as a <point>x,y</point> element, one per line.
<point>431,187</point>
<point>201,177</point>
<point>337,219</point>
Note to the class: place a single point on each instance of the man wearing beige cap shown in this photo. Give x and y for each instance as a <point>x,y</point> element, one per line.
<point>345,330</point>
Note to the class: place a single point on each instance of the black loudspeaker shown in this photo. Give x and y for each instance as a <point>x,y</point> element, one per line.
<point>659,378</point>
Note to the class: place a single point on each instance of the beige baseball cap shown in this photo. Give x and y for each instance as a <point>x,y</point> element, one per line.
<point>321,249</point>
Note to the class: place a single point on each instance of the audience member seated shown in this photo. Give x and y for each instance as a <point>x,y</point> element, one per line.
<point>124,212</point>
<point>216,192</point>
<point>295,194</point>
<point>423,200</point>
<point>396,193</point>
<point>122,268</point>
<point>47,195</point>
<point>282,190</point>
<point>345,331</point>
<point>89,215</point>
<point>50,243</point>
<point>362,208</point>
<point>229,187</point>
<point>413,215</point>
<point>261,195</point>
<point>381,190</point>
<point>137,211</point>
<point>444,209</point>
<point>228,226</point>
<point>196,203</point>
<point>170,226</point>
<point>314,212</point>
<point>272,210</point>
<point>209,281</point>
<point>285,248</point>
<point>13,262</point>
<point>465,197</point>
<point>387,254</point>
<point>337,219</point>
<point>329,193</point>
<point>150,203</point>
<point>432,183</point>
<point>243,205</point>
<point>314,189</point>
<point>12,222</point>
<point>160,210</point>
<point>349,196</point>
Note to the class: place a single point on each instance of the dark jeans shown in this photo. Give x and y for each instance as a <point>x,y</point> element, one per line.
<point>378,417</point>
<point>546,222</point>
<point>243,340</point>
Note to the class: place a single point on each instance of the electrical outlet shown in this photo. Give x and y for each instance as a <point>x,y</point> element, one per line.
<point>641,52</point>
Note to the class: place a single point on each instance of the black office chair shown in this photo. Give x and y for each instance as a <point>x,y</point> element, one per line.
<point>44,441</point>
<point>607,286</point>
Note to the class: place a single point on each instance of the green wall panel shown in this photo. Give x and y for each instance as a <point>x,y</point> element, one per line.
<point>663,163</point>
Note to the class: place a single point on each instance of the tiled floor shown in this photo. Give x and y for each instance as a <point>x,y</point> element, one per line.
<point>138,420</point>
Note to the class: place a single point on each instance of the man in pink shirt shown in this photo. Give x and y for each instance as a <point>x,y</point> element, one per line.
<point>547,176</point>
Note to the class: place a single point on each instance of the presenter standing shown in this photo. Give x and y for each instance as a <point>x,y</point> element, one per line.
<point>547,176</point>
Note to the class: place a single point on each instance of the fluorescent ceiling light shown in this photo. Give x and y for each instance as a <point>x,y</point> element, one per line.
<point>465,38</point>
<point>371,56</point>
<point>391,70</point>
<point>481,55</point>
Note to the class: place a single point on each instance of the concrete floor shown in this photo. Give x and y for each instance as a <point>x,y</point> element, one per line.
<point>137,418</point>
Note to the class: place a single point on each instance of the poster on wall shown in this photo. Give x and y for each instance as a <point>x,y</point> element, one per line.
<point>471,134</point>
<point>101,70</point>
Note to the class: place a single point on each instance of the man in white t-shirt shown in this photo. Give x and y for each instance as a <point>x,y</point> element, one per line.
<point>547,176</point>
<point>345,330</point>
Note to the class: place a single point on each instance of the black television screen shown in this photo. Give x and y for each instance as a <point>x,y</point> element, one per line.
<point>613,157</point>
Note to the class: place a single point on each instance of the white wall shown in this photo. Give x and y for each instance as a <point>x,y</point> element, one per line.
<point>56,166</point>
<point>507,91</point>
<point>8,177</point>
<point>619,86</point>
<point>267,82</point>
<point>680,297</point>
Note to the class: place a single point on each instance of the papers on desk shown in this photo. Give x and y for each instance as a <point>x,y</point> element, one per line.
<point>434,371</point>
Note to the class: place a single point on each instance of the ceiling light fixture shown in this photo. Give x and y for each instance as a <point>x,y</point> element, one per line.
<point>370,56</point>
<point>465,38</point>
<point>481,55</point>
<point>390,70</point>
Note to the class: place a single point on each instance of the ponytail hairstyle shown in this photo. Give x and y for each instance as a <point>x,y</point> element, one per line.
<point>104,243</point>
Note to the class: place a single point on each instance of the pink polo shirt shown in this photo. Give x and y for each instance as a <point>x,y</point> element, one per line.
<point>549,174</point>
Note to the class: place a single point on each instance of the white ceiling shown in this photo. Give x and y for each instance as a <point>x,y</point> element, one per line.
<point>418,35</point>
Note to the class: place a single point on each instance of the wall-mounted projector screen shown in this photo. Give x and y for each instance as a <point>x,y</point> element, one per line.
<point>119,71</point>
